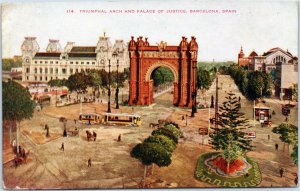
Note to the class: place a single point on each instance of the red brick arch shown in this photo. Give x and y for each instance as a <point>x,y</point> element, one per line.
<point>181,60</point>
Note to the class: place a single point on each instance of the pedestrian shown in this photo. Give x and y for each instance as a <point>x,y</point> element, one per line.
<point>101,101</point>
<point>239,99</point>
<point>268,137</point>
<point>182,118</point>
<point>276,147</point>
<point>75,121</point>
<point>41,107</point>
<point>270,116</point>
<point>296,180</point>
<point>281,172</point>
<point>23,153</point>
<point>119,138</point>
<point>89,162</point>
<point>62,148</point>
<point>20,149</point>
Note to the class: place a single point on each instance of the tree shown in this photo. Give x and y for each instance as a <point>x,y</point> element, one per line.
<point>203,79</point>
<point>162,75</point>
<point>8,63</point>
<point>151,153</point>
<point>255,85</point>
<point>96,82</point>
<point>289,134</point>
<point>163,140</point>
<point>17,104</point>
<point>232,151</point>
<point>79,82</point>
<point>166,132</point>
<point>230,134</point>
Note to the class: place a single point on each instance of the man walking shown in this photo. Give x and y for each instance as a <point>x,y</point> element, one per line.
<point>281,172</point>
<point>62,148</point>
<point>89,162</point>
<point>268,137</point>
<point>276,147</point>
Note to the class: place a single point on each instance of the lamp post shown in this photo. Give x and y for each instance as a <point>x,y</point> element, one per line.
<point>117,90</point>
<point>108,104</point>
<point>217,100</point>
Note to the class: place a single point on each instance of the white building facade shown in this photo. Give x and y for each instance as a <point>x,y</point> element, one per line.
<point>56,63</point>
<point>285,66</point>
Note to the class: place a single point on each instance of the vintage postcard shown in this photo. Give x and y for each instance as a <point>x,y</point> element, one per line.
<point>150,94</point>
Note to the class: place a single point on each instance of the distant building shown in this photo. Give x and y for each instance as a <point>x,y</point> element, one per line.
<point>57,63</point>
<point>283,63</point>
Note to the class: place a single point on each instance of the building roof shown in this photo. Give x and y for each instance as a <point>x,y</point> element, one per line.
<point>252,54</point>
<point>83,49</point>
<point>275,50</point>
<point>80,55</point>
<point>47,54</point>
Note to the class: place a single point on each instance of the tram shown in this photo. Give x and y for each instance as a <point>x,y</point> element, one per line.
<point>121,119</point>
<point>90,118</point>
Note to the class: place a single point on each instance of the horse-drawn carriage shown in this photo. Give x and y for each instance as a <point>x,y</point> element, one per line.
<point>160,123</point>
<point>74,132</point>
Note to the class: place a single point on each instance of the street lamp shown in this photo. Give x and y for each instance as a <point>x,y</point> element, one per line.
<point>217,99</point>
<point>194,108</point>
<point>108,105</point>
<point>117,90</point>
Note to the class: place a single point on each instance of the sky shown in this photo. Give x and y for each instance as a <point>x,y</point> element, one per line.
<point>255,25</point>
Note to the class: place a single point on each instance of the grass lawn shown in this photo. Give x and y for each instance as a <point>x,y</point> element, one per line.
<point>203,174</point>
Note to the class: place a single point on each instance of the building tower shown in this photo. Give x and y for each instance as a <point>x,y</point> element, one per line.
<point>29,48</point>
<point>53,46</point>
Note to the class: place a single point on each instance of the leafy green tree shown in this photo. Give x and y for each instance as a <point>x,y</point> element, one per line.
<point>230,121</point>
<point>79,82</point>
<point>151,153</point>
<point>17,104</point>
<point>204,80</point>
<point>162,75</point>
<point>174,130</point>
<point>289,134</point>
<point>166,132</point>
<point>8,63</point>
<point>255,85</point>
<point>294,154</point>
<point>96,82</point>
<point>163,140</point>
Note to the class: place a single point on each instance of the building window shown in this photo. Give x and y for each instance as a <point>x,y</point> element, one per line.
<point>51,70</point>
<point>41,62</point>
<point>64,71</point>
<point>35,78</point>
<point>76,70</point>
<point>51,62</point>
<point>56,62</point>
<point>87,62</point>
<point>35,62</point>
<point>76,62</point>
<point>46,62</point>
<point>82,62</point>
<point>41,70</point>
<point>71,62</point>
<point>51,78</point>
<point>56,70</point>
<point>63,57</point>
<point>35,70</point>
<point>46,70</point>
<point>27,70</point>
<point>27,78</point>
<point>93,62</point>
<point>46,78</point>
<point>41,78</point>
<point>71,71</point>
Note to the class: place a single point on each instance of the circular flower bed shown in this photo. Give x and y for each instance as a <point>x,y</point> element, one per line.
<point>211,168</point>
<point>237,168</point>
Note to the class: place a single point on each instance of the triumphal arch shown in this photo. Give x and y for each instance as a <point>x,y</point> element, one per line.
<point>181,60</point>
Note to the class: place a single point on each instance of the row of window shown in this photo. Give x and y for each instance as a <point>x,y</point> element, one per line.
<point>56,62</point>
<point>55,70</point>
<point>279,59</point>
<point>41,78</point>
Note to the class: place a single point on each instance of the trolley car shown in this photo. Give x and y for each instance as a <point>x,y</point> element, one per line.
<point>90,118</point>
<point>121,119</point>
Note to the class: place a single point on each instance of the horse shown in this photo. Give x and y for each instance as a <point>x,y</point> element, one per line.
<point>89,135</point>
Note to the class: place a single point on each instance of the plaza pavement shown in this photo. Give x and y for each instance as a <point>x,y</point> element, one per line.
<point>112,166</point>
